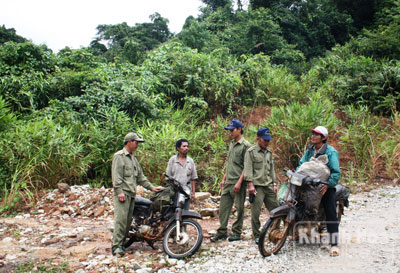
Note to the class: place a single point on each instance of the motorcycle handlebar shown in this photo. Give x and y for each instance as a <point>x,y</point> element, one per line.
<point>307,179</point>
<point>314,181</point>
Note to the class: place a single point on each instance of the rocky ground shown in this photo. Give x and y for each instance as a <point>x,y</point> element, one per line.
<point>68,231</point>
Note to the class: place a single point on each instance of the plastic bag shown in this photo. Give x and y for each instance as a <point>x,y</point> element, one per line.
<point>311,195</point>
<point>316,168</point>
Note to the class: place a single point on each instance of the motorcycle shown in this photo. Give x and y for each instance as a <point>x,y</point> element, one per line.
<point>285,219</point>
<point>181,235</point>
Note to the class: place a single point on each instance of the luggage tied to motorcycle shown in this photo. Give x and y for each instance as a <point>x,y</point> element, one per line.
<point>162,199</point>
<point>311,195</point>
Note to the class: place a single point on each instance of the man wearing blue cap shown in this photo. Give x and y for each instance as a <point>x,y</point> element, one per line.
<point>259,174</point>
<point>232,185</point>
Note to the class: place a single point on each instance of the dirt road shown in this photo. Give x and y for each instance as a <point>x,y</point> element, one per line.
<point>369,242</point>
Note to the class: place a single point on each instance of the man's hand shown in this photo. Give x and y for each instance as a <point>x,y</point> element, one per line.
<point>237,187</point>
<point>251,188</point>
<point>121,197</point>
<point>323,189</point>
<point>275,188</point>
<point>156,189</point>
<point>221,185</point>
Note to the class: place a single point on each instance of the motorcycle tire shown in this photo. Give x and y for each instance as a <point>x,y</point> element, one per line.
<point>273,235</point>
<point>192,237</point>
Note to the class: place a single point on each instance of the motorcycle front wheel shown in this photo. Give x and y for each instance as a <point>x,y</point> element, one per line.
<point>188,243</point>
<point>273,235</point>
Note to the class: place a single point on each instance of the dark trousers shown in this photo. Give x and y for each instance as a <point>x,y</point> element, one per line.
<point>329,203</point>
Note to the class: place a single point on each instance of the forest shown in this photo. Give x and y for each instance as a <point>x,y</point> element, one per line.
<point>289,65</point>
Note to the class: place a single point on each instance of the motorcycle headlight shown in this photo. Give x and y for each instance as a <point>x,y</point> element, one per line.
<point>186,190</point>
<point>295,180</point>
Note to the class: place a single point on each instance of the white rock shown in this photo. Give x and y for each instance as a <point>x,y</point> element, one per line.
<point>172,261</point>
<point>8,240</point>
<point>10,257</point>
<point>106,261</point>
<point>100,257</point>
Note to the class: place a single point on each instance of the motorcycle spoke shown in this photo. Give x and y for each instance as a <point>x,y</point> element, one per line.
<point>188,242</point>
<point>273,236</point>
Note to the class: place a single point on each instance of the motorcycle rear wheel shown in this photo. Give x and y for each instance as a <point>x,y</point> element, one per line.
<point>192,237</point>
<point>273,235</point>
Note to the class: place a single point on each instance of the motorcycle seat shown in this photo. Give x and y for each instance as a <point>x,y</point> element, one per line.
<point>342,193</point>
<point>142,201</point>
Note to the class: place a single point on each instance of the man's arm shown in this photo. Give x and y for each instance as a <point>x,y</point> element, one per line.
<point>238,184</point>
<point>248,173</point>
<point>221,185</point>
<point>334,166</point>
<point>117,173</point>
<point>193,196</point>
<point>273,175</point>
<point>142,180</point>
<point>168,171</point>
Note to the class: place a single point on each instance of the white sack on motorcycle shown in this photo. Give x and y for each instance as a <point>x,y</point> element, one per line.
<point>311,195</point>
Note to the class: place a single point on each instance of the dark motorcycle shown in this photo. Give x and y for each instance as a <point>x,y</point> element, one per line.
<point>181,236</point>
<point>284,220</point>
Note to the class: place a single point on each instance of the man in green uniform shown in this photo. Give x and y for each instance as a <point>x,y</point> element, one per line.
<point>126,174</point>
<point>232,185</point>
<point>259,174</point>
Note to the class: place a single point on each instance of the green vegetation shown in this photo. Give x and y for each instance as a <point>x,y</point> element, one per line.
<point>299,63</point>
<point>42,267</point>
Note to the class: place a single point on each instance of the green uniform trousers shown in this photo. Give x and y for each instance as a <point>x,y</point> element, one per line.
<point>266,195</point>
<point>228,197</point>
<point>123,212</point>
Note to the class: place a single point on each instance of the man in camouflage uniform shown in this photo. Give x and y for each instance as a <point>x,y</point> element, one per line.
<point>126,175</point>
<point>259,174</point>
<point>232,185</point>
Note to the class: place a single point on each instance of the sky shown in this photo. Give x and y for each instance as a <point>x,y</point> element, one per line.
<point>72,23</point>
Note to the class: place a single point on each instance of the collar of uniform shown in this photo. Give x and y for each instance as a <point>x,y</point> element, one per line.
<point>239,142</point>
<point>258,148</point>
<point>126,151</point>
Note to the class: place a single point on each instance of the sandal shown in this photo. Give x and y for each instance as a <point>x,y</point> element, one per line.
<point>334,252</point>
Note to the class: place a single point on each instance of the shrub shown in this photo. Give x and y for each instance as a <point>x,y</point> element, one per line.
<point>38,154</point>
<point>290,126</point>
<point>360,142</point>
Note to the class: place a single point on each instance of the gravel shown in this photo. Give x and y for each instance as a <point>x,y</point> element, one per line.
<point>369,242</point>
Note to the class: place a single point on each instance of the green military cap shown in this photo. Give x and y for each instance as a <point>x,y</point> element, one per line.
<point>133,136</point>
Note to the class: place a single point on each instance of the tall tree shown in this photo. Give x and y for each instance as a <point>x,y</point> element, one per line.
<point>215,4</point>
<point>130,43</point>
<point>10,35</point>
<point>362,11</point>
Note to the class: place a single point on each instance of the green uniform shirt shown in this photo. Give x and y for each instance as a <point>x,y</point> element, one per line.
<point>259,166</point>
<point>127,173</point>
<point>235,162</point>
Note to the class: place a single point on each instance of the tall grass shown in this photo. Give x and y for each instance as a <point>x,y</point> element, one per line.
<point>208,146</point>
<point>361,141</point>
<point>290,126</point>
<point>38,154</point>
<point>390,147</point>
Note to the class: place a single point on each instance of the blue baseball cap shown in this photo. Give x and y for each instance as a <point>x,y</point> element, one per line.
<point>264,133</point>
<point>234,124</point>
